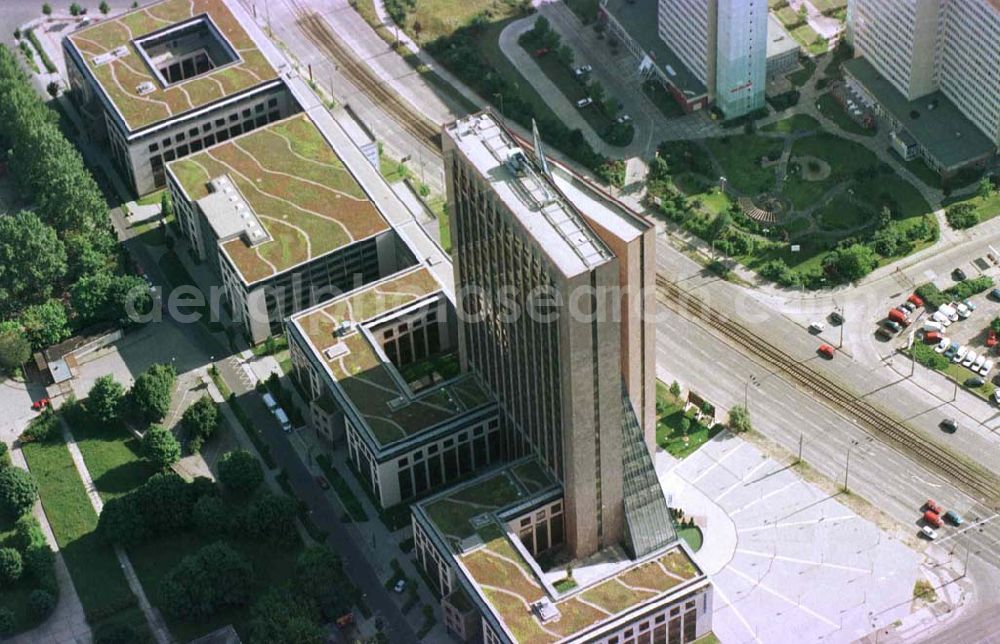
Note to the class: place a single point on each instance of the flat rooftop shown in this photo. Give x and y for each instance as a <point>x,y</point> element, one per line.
<point>112,52</point>
<point>779,41</point>
<point>507,583</point>
<point>640,20</point>
<point>371,384</point>
<point>933,120</point>
<point>534,200</point>
<point>304,196</point>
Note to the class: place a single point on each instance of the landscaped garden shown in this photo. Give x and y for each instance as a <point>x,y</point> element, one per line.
<point>829,213</point>
<point>679,432</point>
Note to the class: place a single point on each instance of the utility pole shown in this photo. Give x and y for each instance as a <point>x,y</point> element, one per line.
<point>800,448</point>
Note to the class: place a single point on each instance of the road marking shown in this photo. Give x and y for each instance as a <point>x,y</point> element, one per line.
<point>807,562</point>
<point>798,605</point>
<point>739,615</point>
<point>742,481</point>
<point>716,463</point>
<point>798,523</point>
<point>967,528</point>
<point>766,496</point>
<point>920,480</point>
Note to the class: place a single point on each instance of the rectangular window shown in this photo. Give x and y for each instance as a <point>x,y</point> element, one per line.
<point>206,126</point>
<point>420,477</point>
<point>182,151</point>
<point>234,117</point>
<point>405,483</point>
<point>153,147</point>
<point>259,107</point>
<point>450,465</point>
<point>193,132</point>
<point>272,102</point>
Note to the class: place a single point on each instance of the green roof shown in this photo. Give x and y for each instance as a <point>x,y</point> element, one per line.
<point>120,78</point>
<point>371,384</point>
<point>933,120</point>
<point>302,193</point>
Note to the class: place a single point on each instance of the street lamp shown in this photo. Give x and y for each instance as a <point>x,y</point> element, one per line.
<point>847,468</point>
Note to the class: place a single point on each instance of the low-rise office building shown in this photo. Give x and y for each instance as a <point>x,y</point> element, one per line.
<point>170,79</point>
<point>282,221</point>
<point>380,367</point>
<point>487,549</point>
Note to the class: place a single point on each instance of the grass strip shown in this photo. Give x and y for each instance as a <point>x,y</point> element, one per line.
<point>351,503</point>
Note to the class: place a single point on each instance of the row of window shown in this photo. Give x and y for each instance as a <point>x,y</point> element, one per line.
<point>219,124</point>
<point>458,456</point>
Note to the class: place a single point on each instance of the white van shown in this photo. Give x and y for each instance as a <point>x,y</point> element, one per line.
<point>941,318</point>
<point>269,400</point>
<point>930,325</point>
<point>948,311</point>
<point>286,425</point>
<point>962,310</point>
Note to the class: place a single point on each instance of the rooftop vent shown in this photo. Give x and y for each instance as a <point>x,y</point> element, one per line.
<point>338,350</point>
<point>343,328</point>
<point>398,403</point>
<point>545,610</point>
<point>108,56</point>
<point>145,87</point>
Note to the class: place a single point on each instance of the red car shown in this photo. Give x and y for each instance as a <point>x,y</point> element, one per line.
<point>932,337</point>
<point>826,351</point>
<point>991,339</point>
<point>915,300</point>
<point>41,404</point>
<point>933,519</point>
<point>933,506</point>
<point>541,52</point>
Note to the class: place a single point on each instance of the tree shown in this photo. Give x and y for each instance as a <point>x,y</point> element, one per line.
<point>240,472</point>
<point>166,205</point>
<point>318,573</point>
<point>14,350</point>
<point>45,324</point>
<point>40,603</point>
<point>596,91</point>
<point>962,215</point>
<point>11,566</point>
<point>115,633</point>
<point>104,295</point>
<point>540,29</point>
<point>675,389</point>
<point>199,421</point>
<point>53,89</point>
<point>6,621</point>
<point>851,263</point>
<point>884,216</point>
<point>720,225</point>
<point>213,578</point>
<point>995,325</point>
<point>150,394</point>
<point>104,402</point>
<point>75,9</point>
<point>279,617</point>
<point>210,516</point>
<point>18,491</point>
<point>565,55</point>
<point>47,9</point>
<point>104,8</point>
<point>271,518</point>
<point>985,188</point>
<point>739,419</point>
<point>160,447</point>
<point>32,259</point>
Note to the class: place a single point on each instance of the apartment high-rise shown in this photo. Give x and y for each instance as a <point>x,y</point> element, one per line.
<point>544,295</point>
<point>938,55</point>
<point>724,44</point>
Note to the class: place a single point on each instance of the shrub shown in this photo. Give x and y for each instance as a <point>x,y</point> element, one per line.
<point>213,578</point>
<point>969,287</point>
<point>104,402</point>
<point>39,564</point>
<point>240,472</point>
<point>150,394</point>
<point>160,447</point>
<point>42,428</point>
<point>932,297</point>
<point>28,534</point>
<point>4,455</point>
<point>40,603</point>
<point>200,421</point>
<point>115,633</point>
<point>162,505</point>
<point>279,617</point>
<point>739,419</point>
<point>961,215</point>
<point>18,491</point>
<point>6,621</point>
<point>11,566</point>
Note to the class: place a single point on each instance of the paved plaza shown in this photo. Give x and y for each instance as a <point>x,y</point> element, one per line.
<point>789,562</point>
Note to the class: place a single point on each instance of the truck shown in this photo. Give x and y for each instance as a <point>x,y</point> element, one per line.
<point>933,519</point>
<point>286,424</point>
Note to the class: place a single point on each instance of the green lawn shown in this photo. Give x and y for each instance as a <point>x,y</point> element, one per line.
<point>987,208</point>
<point>845,158</point>
<point>692,536</point>
<point>841,214</point>
<point>671,437</point>
<point>440,208</point>
<point>812,41</point>
<point>793,124</point>
<point>713,200</point>
<point>740,157</point>
<point>829,106</point>
<point>272,567</point>
<point>92,564</point>
<point>789,17</point>
<point>112,455</point>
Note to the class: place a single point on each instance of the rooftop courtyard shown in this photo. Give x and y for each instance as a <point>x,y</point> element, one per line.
<point>170,58</point>
<point>307,201</point>
<point>338,332</point>
<point>509,581</point>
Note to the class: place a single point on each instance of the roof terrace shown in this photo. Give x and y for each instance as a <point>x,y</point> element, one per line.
<point>504,577</point>
<point>171,57</point>
<point>295,185</point>
<point>338,333</point>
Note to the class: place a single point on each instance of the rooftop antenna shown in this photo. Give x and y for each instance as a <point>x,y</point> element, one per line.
<point>539,150</point>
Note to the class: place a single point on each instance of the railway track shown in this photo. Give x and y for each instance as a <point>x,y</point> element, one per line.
<point>319,33</point>
<point>971,477</point>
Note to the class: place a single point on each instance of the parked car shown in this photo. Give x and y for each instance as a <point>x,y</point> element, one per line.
<point>933,506</point>
<point>584,102</point>
<point>931,325</point>
<point>399,587</point>
<point>933,519</point>
<point>974,381</point>
<point>949,425</point>
<point>915,300</point>
<point>584,69</point>
<point>970,304</point>
<point>985,370</point>
<point>942,345</point>
<point>893,326</point>
<point>826,351</point>
<point>883,333</point>
<point>938,316</point>
<point>817,327</point>
<point>991,338</point>
<point>995,294</point>
<point>909,306</point>
<point>960,354</point>
<point>978,364</point>
<point>933,337</point>
<point>41,404</point>
<point>958,275</point>
<point>836,318</point>
<point>928,532</point>
<point>624,118</point>
<point>951,350</point>
<point>970,357</point>
<point>949,311</point>
<point>954,518</point>
<point>962,310</point>
<point>898,316</point>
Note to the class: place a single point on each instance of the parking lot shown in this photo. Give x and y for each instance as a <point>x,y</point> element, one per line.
<point>785,557</point>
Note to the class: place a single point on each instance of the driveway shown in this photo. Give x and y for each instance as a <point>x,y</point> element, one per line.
<point>792,558</point>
